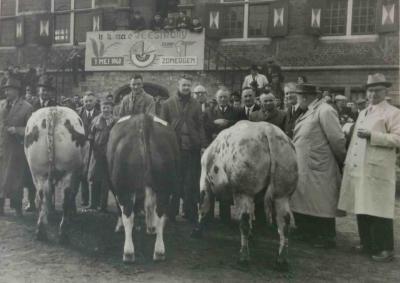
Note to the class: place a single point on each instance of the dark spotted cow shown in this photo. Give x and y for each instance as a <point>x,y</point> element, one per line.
<point>142,155</point>
<point>244,160</point>
<point>55,146</point>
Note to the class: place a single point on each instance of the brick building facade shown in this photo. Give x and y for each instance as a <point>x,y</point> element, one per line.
<point>334,43</point>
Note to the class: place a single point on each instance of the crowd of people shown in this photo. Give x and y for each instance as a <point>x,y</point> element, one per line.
<point>309,118</point>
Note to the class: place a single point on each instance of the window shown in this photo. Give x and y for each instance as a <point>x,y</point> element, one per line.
<point>33,5</point>
<point>233,25</point>
<point>7,32</point>
<point>258,26</point>
<point>106,3</point>
<point>334,18</point>
<point>349,17</point>
<point>83,24</point>
<point>245,18</point>
<point>364,17</point>
<point>62,5</point>
<point>83,4</point>
<point>62,28</point>
<point>7,8</point>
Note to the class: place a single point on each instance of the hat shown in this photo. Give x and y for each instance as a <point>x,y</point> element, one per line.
<point>377,79</point>
<point>340,97</point>
<point>254,67</point>
<point>306,89</point>
<point>12,83</point>
<point>46,81</point>
<point>199,88</point>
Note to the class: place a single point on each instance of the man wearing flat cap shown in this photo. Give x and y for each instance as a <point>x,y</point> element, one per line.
<point>14,114</point>
<point>368,185</point>
<point>320,150</point>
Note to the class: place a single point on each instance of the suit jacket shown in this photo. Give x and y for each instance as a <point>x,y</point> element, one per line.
<point>189,115</point>
<point>290,121</point>
<point>12,158</point>
<point>242,112</point>
<point>37,105</point>
<point>277,117</point>
<point>137,104</point>
<point>86,120</point>
<point>212,130</point>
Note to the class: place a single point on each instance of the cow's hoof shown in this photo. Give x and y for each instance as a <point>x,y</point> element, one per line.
<point>196,233</point>
<point>41,235</point>
<point>151,230</point>
<point>159,256</point>
<point>128,258</point>
<point>281,265</point>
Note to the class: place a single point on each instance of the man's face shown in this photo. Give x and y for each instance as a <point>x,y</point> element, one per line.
<point>222,98</point>
<point>341,103</point>
<point>44,93</point>
<point>137,86</point>
<point>201,96</point>
<point>88,102</point>
<point>77,99</point>
<point>11,93</point>
<point>303,101</point>
<point>267,103</point>
<point>248,97</point>
<point>236,104</point>
<point>110,99</point>
<point>184,86</point>
<point>106,110</point>
<point>376,94</point>
<point>254,72</point>
<point>28,91</point>
<point>290,97</point>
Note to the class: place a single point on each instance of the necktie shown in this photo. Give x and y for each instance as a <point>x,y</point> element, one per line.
<point>247,112</point>
<point>8,106</point>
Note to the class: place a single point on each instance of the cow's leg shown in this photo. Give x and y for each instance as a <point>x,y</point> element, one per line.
<point>150,210</point>
<point>68,183</point>
<point>245,205</point>
<point>43,202</point>
<point>204,208</point>
<point>283,219</point>
<point>161,208</point>
<point>128,222</point>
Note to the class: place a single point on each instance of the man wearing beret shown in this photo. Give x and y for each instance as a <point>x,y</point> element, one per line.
<point>320,150</point>
<point>14,114</point>
<point>368,185</point>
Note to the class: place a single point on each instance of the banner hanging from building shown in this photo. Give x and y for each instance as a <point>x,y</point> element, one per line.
<point>144,50</point>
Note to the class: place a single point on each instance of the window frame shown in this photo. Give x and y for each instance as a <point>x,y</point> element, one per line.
<point>246,11</point>
<point>348,36</point>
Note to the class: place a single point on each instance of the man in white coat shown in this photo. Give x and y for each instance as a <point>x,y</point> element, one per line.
<point>320,150</point>
<point>368,186</point>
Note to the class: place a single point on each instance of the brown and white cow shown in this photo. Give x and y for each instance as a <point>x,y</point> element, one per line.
<point>55,146</point>
<point>142,155</point>
<point>244,160</point>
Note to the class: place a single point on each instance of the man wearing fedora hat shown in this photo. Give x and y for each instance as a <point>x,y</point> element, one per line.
<point>368,185</point>
<point>46,92</point>
<point>14,114</point>
<point>320,149</point>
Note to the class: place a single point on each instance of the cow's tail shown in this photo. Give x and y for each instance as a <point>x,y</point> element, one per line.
<point>147,128</point>
<point>51,122</point>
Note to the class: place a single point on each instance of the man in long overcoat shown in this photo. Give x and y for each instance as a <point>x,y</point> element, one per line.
<point>184,114</point>
<point>320,150</point>
<point>369,179</point>
<point>14,114</point>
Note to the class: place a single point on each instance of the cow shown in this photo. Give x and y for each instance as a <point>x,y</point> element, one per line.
<point>55,147</point>
<point>143,163</point>
<point>244,160</point>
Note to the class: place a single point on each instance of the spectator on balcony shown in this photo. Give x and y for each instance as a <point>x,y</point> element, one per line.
<point>302,80</point>
<point>196,25</point>
<point>157,23</point>
<point>137,22</point>
<point>169,22</point>
<point>255,80</point>
<point>183,21</point>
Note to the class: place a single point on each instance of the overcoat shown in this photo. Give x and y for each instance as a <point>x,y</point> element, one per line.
<point>276,117</point>
<point>12,157</point>
<point>369,178</point>
<point>320,150</point>
<point>137,104</point>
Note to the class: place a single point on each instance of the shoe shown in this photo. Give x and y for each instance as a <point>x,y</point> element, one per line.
<point>30,208</point>
<point>362,249</point>
<point>383,256</point>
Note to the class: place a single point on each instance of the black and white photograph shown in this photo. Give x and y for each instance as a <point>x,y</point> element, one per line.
<point>199,141</point>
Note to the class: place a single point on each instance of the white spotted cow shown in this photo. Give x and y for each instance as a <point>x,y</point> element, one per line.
<point>143,163</point>
<point>244,160</point>
<point>55,147</point>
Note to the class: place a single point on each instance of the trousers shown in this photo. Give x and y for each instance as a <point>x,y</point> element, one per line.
<point>376,233</point>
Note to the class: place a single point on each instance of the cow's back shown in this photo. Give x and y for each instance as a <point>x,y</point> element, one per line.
<point>55,133</point>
